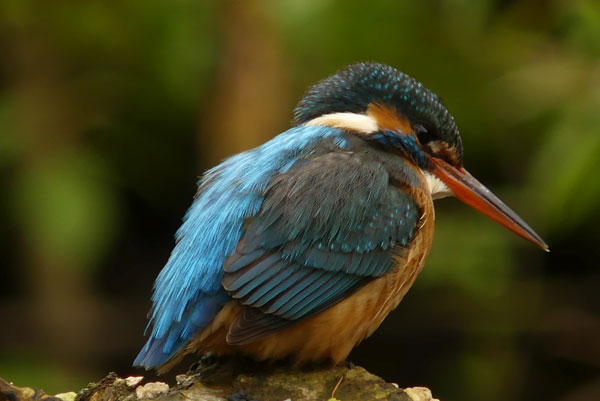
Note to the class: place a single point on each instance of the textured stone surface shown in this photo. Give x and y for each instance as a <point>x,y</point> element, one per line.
<point>235,379</point>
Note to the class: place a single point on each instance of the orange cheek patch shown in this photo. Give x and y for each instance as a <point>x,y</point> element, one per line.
<point>388,118</point>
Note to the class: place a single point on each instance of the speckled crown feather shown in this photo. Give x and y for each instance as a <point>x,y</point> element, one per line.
<point>358,85</point>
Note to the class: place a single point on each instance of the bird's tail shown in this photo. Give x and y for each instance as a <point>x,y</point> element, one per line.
<point>160,349</point>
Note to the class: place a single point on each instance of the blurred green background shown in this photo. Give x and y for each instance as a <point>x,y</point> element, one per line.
<point>109,111</point>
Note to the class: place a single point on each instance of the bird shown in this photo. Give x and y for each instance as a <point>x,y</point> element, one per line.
<point>299,248</point>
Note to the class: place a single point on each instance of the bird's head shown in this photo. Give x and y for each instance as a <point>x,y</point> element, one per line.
<point>392,109</point>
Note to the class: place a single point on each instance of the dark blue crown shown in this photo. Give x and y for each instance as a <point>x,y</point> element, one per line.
<point>358,85</point>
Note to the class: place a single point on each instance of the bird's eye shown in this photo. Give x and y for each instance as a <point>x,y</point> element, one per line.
<point>431,142</point>
<point>425,136</point>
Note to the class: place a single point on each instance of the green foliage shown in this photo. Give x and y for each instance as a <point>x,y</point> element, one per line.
<point>65,203</point>
<point>565,173</point>
<point>31,366</point>
<point>471,254</point>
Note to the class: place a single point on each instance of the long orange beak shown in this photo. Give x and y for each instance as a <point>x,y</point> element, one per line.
<point>470,191</point>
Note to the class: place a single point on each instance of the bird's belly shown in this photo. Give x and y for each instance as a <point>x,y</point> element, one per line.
<point>332,333</point>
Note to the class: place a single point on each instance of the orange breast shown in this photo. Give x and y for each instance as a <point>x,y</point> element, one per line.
<point>332,333</point>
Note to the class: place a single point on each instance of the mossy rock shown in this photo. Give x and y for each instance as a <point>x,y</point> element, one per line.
<point>238,379</point>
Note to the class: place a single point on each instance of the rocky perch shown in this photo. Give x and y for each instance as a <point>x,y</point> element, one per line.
<point>237,380</point>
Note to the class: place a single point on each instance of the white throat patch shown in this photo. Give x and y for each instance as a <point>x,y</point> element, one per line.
<point>351,121</point>
<point>436,187</point>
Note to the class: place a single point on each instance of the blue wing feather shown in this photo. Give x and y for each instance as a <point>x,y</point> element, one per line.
<point>336,221</point>
<point>264,288</point>
<point>188,293</point>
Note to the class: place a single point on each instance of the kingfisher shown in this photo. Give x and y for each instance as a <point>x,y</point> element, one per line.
<point>301,247</point>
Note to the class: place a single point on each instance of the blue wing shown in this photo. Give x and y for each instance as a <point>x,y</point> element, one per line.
<point>188,293</point>
<point>327,226</point>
